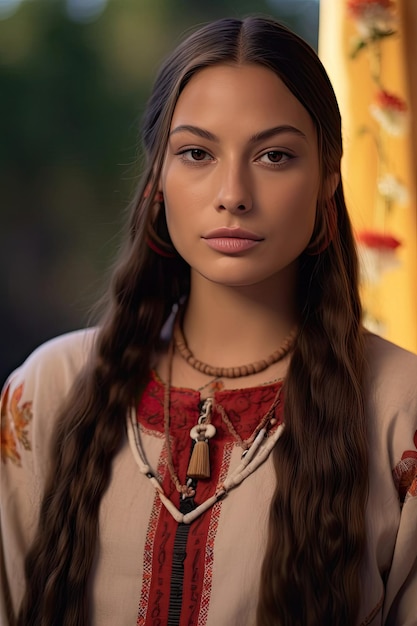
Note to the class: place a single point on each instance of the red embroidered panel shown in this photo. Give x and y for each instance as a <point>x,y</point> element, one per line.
<point>245,408</point>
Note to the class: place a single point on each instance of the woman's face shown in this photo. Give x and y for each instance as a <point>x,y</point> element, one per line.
<point>240,176</point>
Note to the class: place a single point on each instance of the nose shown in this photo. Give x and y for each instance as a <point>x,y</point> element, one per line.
<point>234,190</point>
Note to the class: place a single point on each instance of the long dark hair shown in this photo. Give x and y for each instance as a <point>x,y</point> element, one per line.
<point>310,571</point>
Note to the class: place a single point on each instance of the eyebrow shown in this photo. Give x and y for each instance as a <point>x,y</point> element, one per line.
<point>261,136</point>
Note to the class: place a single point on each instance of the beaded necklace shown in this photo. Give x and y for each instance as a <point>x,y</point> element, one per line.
<point>229,372</point>
<point>254,457</point>
<point>256,450</point>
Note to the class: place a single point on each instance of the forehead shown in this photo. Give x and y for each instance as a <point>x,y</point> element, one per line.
<point>251,95</point>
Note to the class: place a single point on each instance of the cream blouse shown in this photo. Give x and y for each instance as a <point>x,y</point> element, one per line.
<point>133,566</point>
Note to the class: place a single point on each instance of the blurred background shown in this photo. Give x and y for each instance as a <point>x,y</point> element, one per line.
<point>74,77</point>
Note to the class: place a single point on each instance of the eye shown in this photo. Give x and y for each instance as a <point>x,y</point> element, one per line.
<point>275,157</point>
<point>198,155</point>
<point>195,155</point>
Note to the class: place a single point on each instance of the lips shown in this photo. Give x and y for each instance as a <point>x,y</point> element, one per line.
<point>232,233</point>
<point>231,240</point>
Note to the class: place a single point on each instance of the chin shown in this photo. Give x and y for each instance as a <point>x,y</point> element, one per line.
<point>239,279</point>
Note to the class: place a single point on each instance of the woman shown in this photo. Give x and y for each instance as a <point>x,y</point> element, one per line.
<point>192,478</point>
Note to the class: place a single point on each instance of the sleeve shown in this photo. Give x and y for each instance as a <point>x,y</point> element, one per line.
<point>18,489</point>
<point>29,406</point>
<point>401,586</point>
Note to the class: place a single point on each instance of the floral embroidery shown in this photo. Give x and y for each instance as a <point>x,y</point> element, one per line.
<point>14,422</point>
<point>405,473</point>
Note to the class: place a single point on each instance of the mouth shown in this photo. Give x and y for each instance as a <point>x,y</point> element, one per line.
<point>232,233</point>
<point>231,240</point>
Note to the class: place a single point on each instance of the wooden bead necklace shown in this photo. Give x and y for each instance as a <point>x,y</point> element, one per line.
<point>229,372</point>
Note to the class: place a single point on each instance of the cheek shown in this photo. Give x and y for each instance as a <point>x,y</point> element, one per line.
<point>296,205</point>
<point>305,217</point>
<point>184,203</point>
<point>184,190</point>
<point>178,216</point>
<point>175,206</point>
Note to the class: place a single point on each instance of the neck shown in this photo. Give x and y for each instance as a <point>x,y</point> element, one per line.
<point>231,325</point>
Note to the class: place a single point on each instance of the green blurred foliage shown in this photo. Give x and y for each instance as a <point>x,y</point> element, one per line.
<point>71,98</point>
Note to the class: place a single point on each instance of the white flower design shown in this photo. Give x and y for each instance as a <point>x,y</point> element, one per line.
<point>393,190</point>
<point>390,111</point>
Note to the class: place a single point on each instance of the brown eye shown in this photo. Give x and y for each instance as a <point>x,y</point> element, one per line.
<point>198,155</point>
<point>275,156</point>
<point>195,156</point>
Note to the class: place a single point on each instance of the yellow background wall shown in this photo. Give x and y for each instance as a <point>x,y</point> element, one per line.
<point>396,297</point>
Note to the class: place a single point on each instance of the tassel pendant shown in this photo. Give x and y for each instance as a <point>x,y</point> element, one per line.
<point>199,465</point>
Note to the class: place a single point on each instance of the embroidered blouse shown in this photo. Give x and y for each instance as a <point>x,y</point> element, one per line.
<point>180,557</point>
<point>149,569</point>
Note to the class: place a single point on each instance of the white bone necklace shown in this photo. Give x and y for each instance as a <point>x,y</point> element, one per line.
<point>256,450</point>
<point>251,460</point>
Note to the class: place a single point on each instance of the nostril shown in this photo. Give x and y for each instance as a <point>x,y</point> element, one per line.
<point>233,207</point>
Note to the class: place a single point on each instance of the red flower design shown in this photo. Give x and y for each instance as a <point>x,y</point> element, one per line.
<point>374,19</point>
<point>390,111</point>
<point>378,241</point>
<point>377,254</point>
<point>358,8</point>
<point>386,100</point>
<point>405,473</point>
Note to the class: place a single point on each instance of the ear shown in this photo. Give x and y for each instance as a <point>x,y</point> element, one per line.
<point>331,184</point>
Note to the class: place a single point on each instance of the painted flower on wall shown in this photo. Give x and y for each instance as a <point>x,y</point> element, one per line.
<point>373,18</point>
<point>377,252</point>
<point>390,111</point>
<point>393,190</point>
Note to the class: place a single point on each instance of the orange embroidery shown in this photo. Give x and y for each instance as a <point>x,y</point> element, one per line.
<point>405,473</point>
<point>14,422</point>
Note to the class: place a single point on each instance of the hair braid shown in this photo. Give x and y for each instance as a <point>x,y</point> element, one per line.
<point>89,434</point>
<point>317,537</point>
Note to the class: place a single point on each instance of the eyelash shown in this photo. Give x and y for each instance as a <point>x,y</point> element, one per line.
<point>280,163</point>
<point>189,161</point>
<point>198,162</point>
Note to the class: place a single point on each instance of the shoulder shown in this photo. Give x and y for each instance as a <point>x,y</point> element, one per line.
<point>391,371</point>
<point>54,365</point>
<point>34,392</point>
<point>58,358</point>
<point>65,352</point>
